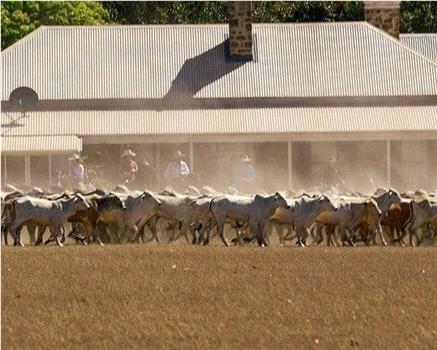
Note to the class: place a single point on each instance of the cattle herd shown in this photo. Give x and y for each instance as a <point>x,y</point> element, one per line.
<point>123,215</point>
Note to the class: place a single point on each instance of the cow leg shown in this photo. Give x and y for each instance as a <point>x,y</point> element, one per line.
<point>280,232</point>
<point>103,233</point>
<point>41,230</point>
<point>420,235</point>
<point>220,229</point>
<point>194,229</point>
<point>314,233</point>
<point>320,236</point>
<point>378,230</point>
<point>346,237</point>
<point>401,235</point>
<point>92,232</point>
<point>96,234</point>
<point>257,231</point>
<point>391,232</point>
<point>412,232</point>
<point>207,233</point>
<point>57,232</point>
<point>17,237</point>
<point>291,233</point>
<point>184,231</point>
<point>265,238</point>
<point>136,234</point>
<point>5,233</point>
<point>329,231</point>
<point>132,230</point>
<point>151,224</point>
<point>15,230</point>
<point>302,234</point>
<point>53,233</point>
<point>31,228</point>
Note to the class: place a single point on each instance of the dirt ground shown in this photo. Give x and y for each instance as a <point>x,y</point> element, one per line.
<point>179,296</point>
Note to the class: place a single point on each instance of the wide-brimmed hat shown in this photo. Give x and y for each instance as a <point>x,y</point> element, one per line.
<point>178,154</point>
<point>75,156</point>
<point>246,158</point>
<point>127,153</point>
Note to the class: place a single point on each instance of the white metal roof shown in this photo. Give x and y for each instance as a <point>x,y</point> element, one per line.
<point>12,145</point>
<point>291,60</point>
<point>426,44</point>
<point>225,121</point>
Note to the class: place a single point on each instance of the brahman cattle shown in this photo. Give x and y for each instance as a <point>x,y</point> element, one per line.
<point>254,211</point>
<point>52,213</point>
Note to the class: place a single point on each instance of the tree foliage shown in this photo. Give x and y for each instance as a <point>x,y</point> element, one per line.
<point>186,12</point>
<point>19,18</point>
<point>418,17</point>
<point>166,12</point>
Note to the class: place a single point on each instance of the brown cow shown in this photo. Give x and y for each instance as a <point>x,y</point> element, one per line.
<point>99,205</point>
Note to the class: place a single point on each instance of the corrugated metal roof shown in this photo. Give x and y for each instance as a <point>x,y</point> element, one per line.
<point>40,144</point>
<point>227,121</point>
<point>426,44</point>
<point>291,60</point>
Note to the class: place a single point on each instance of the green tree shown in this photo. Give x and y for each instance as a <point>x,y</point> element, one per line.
<point>19,18</point>
<point>185,12</point>
<point>167,12</point>
<point>418,17</point>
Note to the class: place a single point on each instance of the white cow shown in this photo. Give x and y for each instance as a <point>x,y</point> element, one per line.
<point>52,213</point>
<point>254,211</point>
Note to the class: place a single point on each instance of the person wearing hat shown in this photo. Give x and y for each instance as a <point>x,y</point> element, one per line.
<point>177,170</point>
<point>247,174</point>
<point>77,171</point>
<point>331,175</point>
<point>129,166</point>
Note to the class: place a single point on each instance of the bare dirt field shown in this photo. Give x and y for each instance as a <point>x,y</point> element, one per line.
<point>178,296</point>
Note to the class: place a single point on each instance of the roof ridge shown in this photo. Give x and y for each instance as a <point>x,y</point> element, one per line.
<point>418,34</point>
<point>121,26</point>
<point>399,43</point>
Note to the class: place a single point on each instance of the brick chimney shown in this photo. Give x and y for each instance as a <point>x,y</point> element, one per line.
<point>384,15</point>
<point>240,29</point>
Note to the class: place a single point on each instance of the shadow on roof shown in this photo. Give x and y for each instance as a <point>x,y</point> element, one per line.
<point>202,70</point>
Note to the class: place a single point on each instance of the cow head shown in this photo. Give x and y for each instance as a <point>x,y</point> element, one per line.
<point>110,202</point>
<point>149,198</point>
<point>80,203</point>
<point>386,199</point>
<point>372,208</point>
<point>325,204</point>
<point>280,201</point>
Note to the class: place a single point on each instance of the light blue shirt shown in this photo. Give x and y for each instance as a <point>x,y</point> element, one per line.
<point>176,169</point>
<point>248,172</point>
<point>77,172</point>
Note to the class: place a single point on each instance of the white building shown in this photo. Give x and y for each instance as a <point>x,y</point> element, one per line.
<point>310,92</point>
